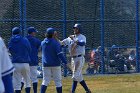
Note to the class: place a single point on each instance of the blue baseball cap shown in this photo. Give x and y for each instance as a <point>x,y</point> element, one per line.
<point>50,31</point>
<point>31,29</point>
<point>15,30</point>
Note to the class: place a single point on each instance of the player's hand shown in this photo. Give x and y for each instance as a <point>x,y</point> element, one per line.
<point>71,36</point>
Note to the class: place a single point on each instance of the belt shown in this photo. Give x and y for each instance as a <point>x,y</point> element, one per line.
<point>77,56</point>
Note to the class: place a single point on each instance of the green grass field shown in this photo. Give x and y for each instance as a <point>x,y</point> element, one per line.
<point>128,83</point>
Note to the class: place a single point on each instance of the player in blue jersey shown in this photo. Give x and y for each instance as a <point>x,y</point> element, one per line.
<point>6,68</point>
<point>20,50</point>
<point>52,56</point>
<point>35,45</point>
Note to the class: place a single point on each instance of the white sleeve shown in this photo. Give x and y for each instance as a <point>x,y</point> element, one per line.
<point>1,83</point>
<point>82,39</point>
<point>6,64</point>
<point>66,41</point>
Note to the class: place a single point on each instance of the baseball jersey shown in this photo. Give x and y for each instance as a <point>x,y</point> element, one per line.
<point>1,83</point>
<point>35,44</point>
<point>20,49</point>
<point>80,50</point>
<point>52,54</point>
<point>6,66</point>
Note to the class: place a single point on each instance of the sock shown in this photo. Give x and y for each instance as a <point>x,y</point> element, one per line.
<point>27,90</point>
<point>17,91</point>
<point>7,81</point>
<point>43,89</point>
<point>83,83</point>
<point>59,89</point>
<point>35,87</point>
<point>74,85</point>
<point>22,84</point>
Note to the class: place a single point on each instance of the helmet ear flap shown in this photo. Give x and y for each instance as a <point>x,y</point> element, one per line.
<point>77,25</point>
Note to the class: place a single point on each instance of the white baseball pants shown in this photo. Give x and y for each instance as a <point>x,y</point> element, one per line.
<point>52,73</point>
<point>21,70</point>
<point>33,74</point>
<point>77,65</point>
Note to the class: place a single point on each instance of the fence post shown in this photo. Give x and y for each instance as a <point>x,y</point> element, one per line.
<point>137,36</point>
<point>21,15</point>
<point>22,11</point>
<point>102,35</point>
<point>24,17</point>
<point>64,31</point>
<point>64,18</point>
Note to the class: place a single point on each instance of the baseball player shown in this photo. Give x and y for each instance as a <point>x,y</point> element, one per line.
<point>76,45</point>
<point>35,45</point>
<point>6,68</point>
<point>52,56</point>
<point>20,49</point>
<point>1,82</point>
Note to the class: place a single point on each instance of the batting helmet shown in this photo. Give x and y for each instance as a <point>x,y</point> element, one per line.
<point>31,29</point>
<point>50,31</point>
<point>113,46</point>
<point>16,30</point>
<point>78,26</point>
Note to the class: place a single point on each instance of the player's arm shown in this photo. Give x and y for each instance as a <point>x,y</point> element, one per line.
<point>28,45</point>
<point>39,46</point>
<point>65,42</point>
<point>81,42</point>
<point>60,54</point>
<point>62,57</point>
<point>38,43</point>
<point>6,69</point>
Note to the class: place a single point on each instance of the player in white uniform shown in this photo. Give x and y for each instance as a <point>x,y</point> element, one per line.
<point>6,68</point>
<point>1,82</point>
<point>76,45</point>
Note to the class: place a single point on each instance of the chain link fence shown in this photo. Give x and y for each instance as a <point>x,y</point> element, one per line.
<point>119,23</point>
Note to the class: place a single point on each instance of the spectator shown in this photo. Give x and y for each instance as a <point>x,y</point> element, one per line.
<point>132,58</point>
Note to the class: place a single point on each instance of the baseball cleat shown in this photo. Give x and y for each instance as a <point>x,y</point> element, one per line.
<point>88,91</point>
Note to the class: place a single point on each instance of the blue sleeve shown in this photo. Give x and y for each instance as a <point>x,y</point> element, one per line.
<point>38,43</point>
<point>28,45</point>
<point>62,57</point>
<point>9,45</point>
<point>7,80</point>
<point>81,43</point>
<point>58,47</point>
<point>59,53</point>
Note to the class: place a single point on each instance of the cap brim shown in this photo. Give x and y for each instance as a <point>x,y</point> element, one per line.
<point>74,27</point>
